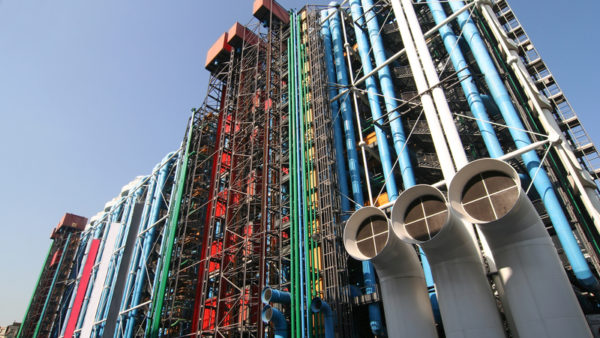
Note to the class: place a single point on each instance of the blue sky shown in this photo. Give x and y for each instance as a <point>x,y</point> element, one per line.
<point>93,94</point>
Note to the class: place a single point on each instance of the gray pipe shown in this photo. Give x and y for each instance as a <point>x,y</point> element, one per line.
<point>421,216</point>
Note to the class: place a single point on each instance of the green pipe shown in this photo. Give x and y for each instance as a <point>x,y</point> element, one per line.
<point>292,198</point>
<point>293,201</point>
<point>306,276</point>
<point>292,182</point>
<point>309,189</point>
<point>172,226</point>
<point>62,257</point>
<point>35,289</point>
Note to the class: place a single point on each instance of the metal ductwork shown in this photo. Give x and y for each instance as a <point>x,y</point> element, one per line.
<point>280,325</point>
<point>537,291</point>
<point>269,295</point>
<point>368,237</point>
<point>421,216</point>
<point>317,305</point>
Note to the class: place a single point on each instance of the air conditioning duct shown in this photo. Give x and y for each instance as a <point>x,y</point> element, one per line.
<point>368,237</point>
<point>537,291</point>
<point>421,216</point>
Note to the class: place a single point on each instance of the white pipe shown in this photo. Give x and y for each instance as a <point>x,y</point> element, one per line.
<point>537,290</point>
<point>403,289</point>
<point>421,216</point>
<point>451,133</point>
<point>435,128</point>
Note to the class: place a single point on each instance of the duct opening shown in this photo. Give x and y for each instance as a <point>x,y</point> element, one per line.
<point>267,314</point>
<point>489,195</point>
<point>425,217</point>
<point>372,235</point>
<point>267,293</point>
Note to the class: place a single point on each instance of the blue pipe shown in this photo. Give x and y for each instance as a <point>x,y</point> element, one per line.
<point>128,217</point>
<point>347,112</point>
<point>272,315</point>
<point>112,269</point>
<point>398,136</point>
<point>133,266</point>
<point>389,95</point>
<point>338,140</point>
<point>110,219</point>
<point>270,295</point>
<point>373,96</point>
<point>149,238</point>
<point>167,228</point>
<point>531,160</point>
<point>320,306</point>
<point>475,101</point>
<point>353,165</point>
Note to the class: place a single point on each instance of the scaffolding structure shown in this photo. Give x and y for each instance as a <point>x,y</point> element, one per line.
<point>46,308</point>
<point>309,116</point>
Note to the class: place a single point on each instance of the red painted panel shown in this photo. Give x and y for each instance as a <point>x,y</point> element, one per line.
<point>81,289</point>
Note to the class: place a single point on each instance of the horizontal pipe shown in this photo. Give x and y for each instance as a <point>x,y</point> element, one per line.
<point>270,295</point>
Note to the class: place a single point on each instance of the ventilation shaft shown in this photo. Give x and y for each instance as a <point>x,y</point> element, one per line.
<point>368,237</point>
<point>537,291</point>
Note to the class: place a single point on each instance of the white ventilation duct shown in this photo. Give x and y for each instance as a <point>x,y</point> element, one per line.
<point>537,291</point>
<point>421,216</point>
<point>368,237</point>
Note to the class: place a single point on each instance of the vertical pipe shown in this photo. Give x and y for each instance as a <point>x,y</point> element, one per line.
<point>138,250</point>
<point>320,306</point>
<point>450,131</point>
<point>460,65</point>
<point>272,315</point>
<point>435,128</point>
<point>389,95</point>
<point>342,79</point>
<point>396,127</point>
<point>337,125</point>
<point>531,160</point>
<point>171,227</point>
<point>361,142</point>
<point>373,97</point>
